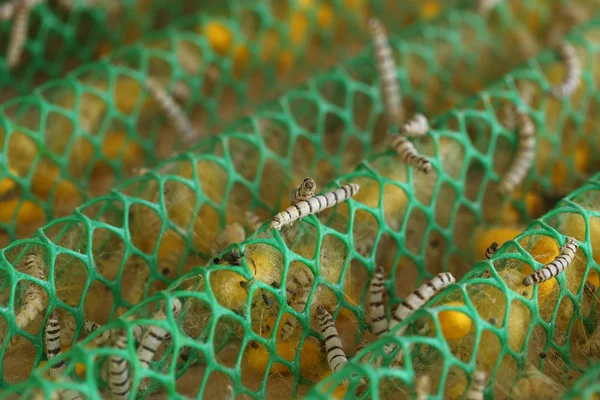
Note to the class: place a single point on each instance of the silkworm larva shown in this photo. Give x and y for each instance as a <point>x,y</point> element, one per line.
<point>408,154</point>
<point>305,191</point>
<point>336,357</point>
<point>556,266</point>
<point>154,336</point>
<point>572,78</point>
<point>416,300</point>
<point>423,387</point>
<point>18,34</point>
<point>379,323</point>
<point>7,9</point>
<point>34,299</point>
<point>53,345</point>
<point>387,72</point>
<point>477,387</point>
<point>174,112</point>
<point>490,251</point>
<point>119,379</point>
<point>524,158</point>
<point>302,283</point>
<point>417,126</point>
<point>314,205</point>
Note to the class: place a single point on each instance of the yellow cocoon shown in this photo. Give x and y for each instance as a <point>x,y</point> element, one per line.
<point>454,324</point>
<point>310,356</point>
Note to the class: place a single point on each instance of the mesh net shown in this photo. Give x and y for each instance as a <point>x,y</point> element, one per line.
<point>123,256</point>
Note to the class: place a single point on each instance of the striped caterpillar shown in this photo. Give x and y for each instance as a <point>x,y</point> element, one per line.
<point>572,78</point>
<point>387,71</point>
<point>490,251</point>
<point>417,126</point>
<point>18,35</point>
<point>408,154</point>
<point>313,205</point>
<point>524,158</point>
<point>477,387</point>
<point>173,111</point>
<point>556,266</point>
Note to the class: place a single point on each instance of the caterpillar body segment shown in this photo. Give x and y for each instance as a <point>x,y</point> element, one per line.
<point>408,154</point>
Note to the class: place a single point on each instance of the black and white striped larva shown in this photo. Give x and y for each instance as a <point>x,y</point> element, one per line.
<point>119,380</point>
<point>18,34</point>
<point>298,288</point>
<point>417,126</point>
<point>423,387</point>
<point>35,297</point>
<point>572,78</point>
<point>490,251</point>
<point>524,158</point>
<point>53,345</point>
<point>314,205</point>
<point>408,154</point>
<point>556,266</point>
<point>305,191</point>
<point>173,111</point>
<point>387,72</point>
<point>379,323</point>
<point>155,335</point>
<point>416,300</point>
<point>336,357</point>
<point>477,387</point>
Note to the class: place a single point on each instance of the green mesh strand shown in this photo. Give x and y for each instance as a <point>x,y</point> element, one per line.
<point>586,387</point>
<point>432,230</point>
<point>75,164</point>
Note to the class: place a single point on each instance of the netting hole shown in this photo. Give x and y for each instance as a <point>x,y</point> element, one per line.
<point>18,363</point>
<point>70,278</point>
<point>206,225</point>
<point>380,130</point>
<point>452,157</point>
<point>332,258</point>
<point>144,227</point>
<point>387,248</point>
<point>395,200</point>
<point>98,303</point>
<point>219,385</point>
<point>362,113</point>
<point>476,173</point>
<point>536,343</point>
<point>239,199</point>
<point>189,57</point>
<point>464,226</point>
<point>263,313</point>
<point>180,201</point>
<point>435,255</point>
<point>415,230</point>
<point>212,179</point>
<point>273,179</point>
<point>304,154</point>
<point>446,195</point>
<point>406,274</point>
<point>480,131</point>
<point>276,135</point>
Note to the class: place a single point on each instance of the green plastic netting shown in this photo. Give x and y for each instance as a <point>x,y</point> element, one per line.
<point>61,37</point>
<point>125,248</point>
<point>88,149</point>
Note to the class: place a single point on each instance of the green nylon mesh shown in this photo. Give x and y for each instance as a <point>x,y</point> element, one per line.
<point>60,38</point>
<point>127,246</point>
<point>88,149</point>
